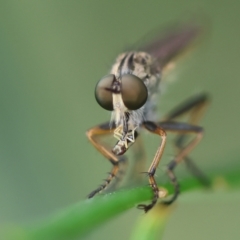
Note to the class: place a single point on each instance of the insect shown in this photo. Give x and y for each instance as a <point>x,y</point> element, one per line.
<point>129,92</point>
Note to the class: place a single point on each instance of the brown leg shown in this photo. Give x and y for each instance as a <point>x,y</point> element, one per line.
<point>182,129</point>
<point>195,108</point>
<point>93,134</point>
<point>160,129</point>
<point>154,128</point>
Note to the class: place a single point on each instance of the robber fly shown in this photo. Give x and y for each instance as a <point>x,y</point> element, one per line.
<point>129,92</point>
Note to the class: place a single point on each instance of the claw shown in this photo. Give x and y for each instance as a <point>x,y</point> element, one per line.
<point>144,207</point>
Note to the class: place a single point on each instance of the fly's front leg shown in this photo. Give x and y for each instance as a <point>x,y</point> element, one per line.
<point>154,128</point>
<point>92,134</point>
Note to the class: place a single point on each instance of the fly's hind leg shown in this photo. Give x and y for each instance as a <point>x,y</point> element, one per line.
<point>180,128</point>
<point>93,134</point>
<point>195,108</point>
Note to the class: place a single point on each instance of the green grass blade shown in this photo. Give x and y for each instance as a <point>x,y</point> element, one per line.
<point>84,217</point>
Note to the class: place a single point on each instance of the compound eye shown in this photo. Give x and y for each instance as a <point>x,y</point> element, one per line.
<point>134,92</point>
<point>103,94</point>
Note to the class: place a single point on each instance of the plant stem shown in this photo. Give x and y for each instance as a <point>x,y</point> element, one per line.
<point>83,217</point>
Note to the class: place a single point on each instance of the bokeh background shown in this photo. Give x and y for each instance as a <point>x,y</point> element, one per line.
<point>52,53</point>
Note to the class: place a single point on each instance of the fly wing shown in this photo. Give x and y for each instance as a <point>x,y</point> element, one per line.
<point>170,45</point>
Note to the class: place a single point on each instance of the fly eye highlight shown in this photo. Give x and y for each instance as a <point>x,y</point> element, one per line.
<point>133,90</point>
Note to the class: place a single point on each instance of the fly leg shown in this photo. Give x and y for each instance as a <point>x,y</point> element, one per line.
<point>93,134</point>
<point>180,128</point>
<point>194,107</point>
<point>154,128</point>
<point>161,129</point>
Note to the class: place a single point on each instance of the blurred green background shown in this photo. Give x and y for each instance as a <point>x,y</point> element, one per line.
<point>52,53</point>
